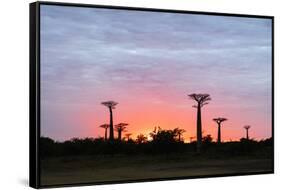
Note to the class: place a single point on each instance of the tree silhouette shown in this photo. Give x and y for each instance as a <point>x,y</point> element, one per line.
<point>179,132</point>
<point>111,105</point>
<point>120,128</point>
<point>207,139</point>
<point>105,127</point>
<point>97,146</point>
<point>153,134</point>
<point>247,127</point>
<point>127,135</point>
<point>141,139</point>
<point>165,136</point>
<point>191,139</point>
<point>219,120</point>
<point>201,100</point>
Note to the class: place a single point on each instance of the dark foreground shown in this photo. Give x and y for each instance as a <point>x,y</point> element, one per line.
<point>106,168</point>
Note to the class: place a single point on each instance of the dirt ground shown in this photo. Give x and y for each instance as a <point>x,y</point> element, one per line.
<point>71,170</point>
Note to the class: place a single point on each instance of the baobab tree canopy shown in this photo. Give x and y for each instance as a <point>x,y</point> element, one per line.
<point>121,126</point>
<point>219,119</point>
<point>128,135</point>
<point>247,126</point>
<point>105,126</point>
<point>110,104</point>
<point>201,99</point>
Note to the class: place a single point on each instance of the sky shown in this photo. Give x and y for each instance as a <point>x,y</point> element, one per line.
<point>149,62</point>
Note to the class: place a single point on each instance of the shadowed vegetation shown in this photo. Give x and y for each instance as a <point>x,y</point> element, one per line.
<point>163,142</point>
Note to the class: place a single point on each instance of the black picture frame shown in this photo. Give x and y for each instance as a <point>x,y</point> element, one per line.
<point>34,91</point>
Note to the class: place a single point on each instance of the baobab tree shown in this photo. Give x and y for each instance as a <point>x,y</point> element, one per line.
<point>111,105</point>
<point>247,127</point>
<point>128,135</point>
<point>179,132</point>
<point>201,100</point>
<point>120,128</point>
<point>105,127</point>
<point>219,120</point>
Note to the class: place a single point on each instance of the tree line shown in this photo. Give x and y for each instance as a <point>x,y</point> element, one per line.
<point>163,142</point>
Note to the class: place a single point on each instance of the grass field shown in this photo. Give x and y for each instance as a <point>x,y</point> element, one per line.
<point>90,169</point>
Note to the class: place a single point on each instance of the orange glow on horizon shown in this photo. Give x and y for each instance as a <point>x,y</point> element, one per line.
<point>143,119</point>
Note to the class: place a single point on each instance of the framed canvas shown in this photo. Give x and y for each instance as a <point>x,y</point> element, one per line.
<point>122,94</point>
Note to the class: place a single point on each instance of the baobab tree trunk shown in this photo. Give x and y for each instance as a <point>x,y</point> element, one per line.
<point>247,134</point>
<point>199,128</point>
<point>119,135</point>
<point>219,133</point>
<point>179,137</point>
<point>111,135</point>
<point>105,134</point>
